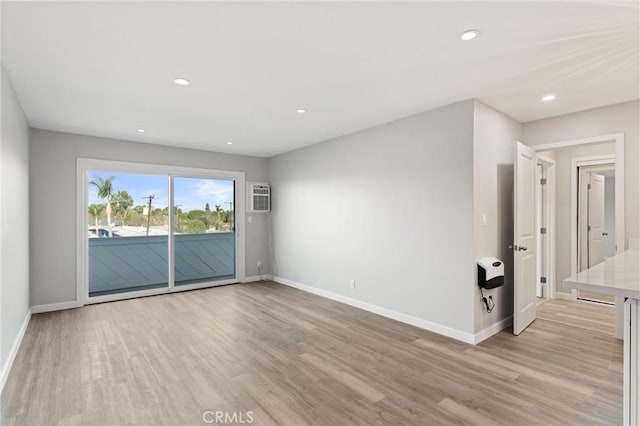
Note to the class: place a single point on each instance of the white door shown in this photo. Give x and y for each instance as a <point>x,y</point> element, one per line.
<point>596,219</point>
<point>524,255</point>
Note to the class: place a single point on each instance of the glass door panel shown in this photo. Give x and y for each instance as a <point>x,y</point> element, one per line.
<point>128,232</point>
<point>204,230</point>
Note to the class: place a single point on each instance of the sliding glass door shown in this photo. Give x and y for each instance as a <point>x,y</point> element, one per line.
<point>149,233</point>
<point>128,232</point>
<point>204,232</point>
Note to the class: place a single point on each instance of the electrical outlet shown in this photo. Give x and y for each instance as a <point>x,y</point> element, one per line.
<point>259,264</point>
<point>352,283</point>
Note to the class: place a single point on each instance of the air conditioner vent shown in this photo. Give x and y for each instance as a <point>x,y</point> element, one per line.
<point>259,198</point>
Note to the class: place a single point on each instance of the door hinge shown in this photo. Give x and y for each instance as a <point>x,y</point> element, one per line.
<point>588,227</point>
<point>543,230</point>
<point>543,280</point>
<point>543,181</point>
<point>589,186</point>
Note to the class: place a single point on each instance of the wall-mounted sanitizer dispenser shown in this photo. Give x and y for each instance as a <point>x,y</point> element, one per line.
<point>490,272</point>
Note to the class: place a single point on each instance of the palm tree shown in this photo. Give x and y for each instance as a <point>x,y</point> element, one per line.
<point>95,210</point>
<point>218,211</point>
<point>105,191</point>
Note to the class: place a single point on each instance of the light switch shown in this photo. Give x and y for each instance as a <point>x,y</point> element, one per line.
<point>250,219</point>
<point>484,219</point>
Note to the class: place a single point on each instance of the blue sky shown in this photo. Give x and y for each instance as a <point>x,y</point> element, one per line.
<point>190,193</point>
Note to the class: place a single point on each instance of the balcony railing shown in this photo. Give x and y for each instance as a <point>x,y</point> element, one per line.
<point>136,263</point>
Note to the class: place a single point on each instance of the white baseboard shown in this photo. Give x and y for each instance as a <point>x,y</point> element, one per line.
<point>492,329</point>
<point>255,278</point>
<point>564,296</point>
<point>51,307</point>
<point>4,374</point>
<point>407,319</point>
<point>38,309</point>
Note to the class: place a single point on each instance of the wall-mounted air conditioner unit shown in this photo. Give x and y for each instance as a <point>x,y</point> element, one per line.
<point>259,195</point>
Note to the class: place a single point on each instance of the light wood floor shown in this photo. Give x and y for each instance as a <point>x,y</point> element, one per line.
<point>293,358</point>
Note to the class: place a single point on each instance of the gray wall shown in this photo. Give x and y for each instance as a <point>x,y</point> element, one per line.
<point>619,118</point>
<point>392,208</point>
<point>14,223</point>
<point>53,187</point>
<point>563,158</point>
<point>493,142</point>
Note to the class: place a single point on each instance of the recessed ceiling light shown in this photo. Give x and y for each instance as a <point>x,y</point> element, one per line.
<point>182,82</point>
<point>229,143</point>
<point>140,130</point>
<point>549,97</point>
<point>469,35</point>
<point>301,111</point>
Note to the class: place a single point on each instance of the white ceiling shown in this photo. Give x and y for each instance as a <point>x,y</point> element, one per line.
<point>106,69</point>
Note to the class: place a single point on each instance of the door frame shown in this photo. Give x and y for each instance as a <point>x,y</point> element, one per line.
<point>82,244</point>
<point>549,207</point>
<point>582,203</point>
<point>576,164</point>
<point>618,139</point>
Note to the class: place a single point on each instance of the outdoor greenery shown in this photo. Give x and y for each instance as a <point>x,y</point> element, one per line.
<point>105,191</point>
<point>197,221</point>
<point>95,212</point>
<point>119,210</point>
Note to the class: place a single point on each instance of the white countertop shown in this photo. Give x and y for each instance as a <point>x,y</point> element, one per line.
<point>619,276</point>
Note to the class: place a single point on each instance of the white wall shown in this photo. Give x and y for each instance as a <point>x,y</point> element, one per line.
<point>392,208</point>
<point>619,118</point>
<point>53,186</point>
<point>494,137</point>
<point>14,224</point>
<point>610,216</point>
<point>563,158</point>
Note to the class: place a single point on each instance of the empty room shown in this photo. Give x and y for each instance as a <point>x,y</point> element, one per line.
<point>320,213</point>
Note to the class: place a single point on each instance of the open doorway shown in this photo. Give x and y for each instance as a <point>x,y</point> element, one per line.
<point>563,196</point>
<point>552,193</point>
<point>596,221</point>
